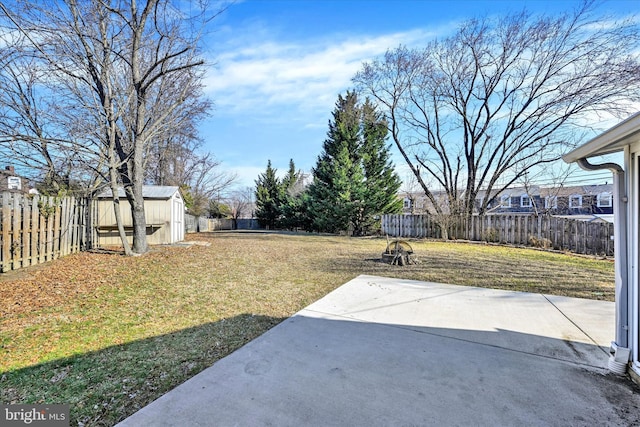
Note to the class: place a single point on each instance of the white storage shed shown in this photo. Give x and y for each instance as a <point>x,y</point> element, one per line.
<point>163,209</point>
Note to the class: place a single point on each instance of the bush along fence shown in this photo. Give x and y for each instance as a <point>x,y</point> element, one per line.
<point>582,237</point>
<point>37,229</point>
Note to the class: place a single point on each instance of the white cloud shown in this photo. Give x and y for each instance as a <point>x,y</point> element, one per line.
<point>277,92</point>
<point>307,75</point>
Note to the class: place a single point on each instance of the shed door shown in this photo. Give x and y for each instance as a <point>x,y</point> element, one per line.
<point>177,227</point>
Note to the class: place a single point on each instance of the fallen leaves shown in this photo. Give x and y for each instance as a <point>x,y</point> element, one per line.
<point>53,283</point>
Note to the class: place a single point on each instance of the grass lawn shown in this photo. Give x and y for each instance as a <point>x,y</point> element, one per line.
<point>108,334</point>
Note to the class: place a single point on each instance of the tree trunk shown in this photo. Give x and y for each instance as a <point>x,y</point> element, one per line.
<point>139,225</point>
<point>118,216</point>
<point>136,200</point>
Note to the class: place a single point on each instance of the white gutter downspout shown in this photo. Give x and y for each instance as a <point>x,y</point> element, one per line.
<point>620,348</point>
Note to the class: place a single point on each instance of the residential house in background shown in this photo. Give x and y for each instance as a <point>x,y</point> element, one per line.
<point>581,201</point>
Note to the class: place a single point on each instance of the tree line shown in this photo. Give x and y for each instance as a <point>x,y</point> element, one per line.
<point>108,94</point>
<point>494,104</point>
<point>353,181</point>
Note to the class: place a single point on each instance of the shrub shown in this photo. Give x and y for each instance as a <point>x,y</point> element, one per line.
<point>491,235</point>
<point>539,243</point>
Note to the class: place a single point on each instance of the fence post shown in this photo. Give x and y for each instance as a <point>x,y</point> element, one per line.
<point>76,214</point>
<point>26,229</point>
<point>64,226</point>
<point>5,255</point>
<point>35,217</point>
<point>16,246</point>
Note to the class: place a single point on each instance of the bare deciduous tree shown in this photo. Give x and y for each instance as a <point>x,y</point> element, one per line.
<point>241,202</point>
<point>547,200</point>
<point>29,137</point>
<point>177,160</point>
<point>125,74</point>
<point>480,109</point>
<point>205,180</point>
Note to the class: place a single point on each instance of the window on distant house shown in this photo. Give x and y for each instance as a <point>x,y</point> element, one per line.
<point>605,200</point>
<point>505,201</point>
<point>551,202</point>
<point>575,201</point>
<point>525,201</point>
<point>407,203</point>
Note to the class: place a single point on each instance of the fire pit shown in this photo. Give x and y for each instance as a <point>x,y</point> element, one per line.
<point>399,252</point>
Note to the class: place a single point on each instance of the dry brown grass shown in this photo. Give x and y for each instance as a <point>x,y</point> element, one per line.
<point>108,334</point>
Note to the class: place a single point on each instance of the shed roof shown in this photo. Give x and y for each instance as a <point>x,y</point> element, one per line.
<point>610,141</point>
<point>589,217</point>
<point>160,192</point>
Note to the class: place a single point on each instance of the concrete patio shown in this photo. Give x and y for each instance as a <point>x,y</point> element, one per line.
<point>380,352</point>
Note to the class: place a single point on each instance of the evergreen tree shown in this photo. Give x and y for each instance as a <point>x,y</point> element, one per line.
<point>294,212</point>
<point>338,180</point>
<point>334,184</point>
<point>268,198</point>
<point>354,178</point>
<point>291,178</point>
<point>292,205</point>
<point>382,182</point>
<point>218,210</point>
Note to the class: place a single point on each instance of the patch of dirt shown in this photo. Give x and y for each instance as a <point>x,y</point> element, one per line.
<point>623,395</point>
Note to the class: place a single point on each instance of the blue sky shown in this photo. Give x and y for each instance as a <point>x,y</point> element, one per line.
<point>279,65</point>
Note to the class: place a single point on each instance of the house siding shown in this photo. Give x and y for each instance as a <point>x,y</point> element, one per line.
<point>511,201</point>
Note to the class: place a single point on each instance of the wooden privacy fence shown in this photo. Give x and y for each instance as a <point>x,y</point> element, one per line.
<point>195,224</point>
<point>198,224</point>
<point>39,229</point>
<point>582,237</point>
